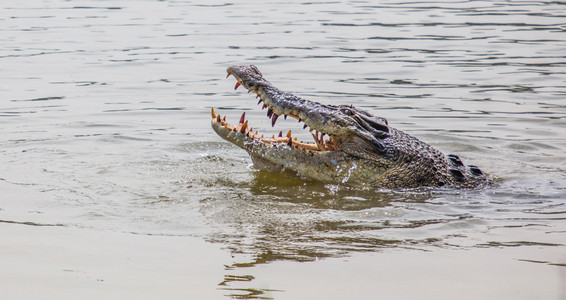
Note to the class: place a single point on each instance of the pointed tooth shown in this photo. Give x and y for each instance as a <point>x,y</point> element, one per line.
<point>259,102</point>
<point>274,119</point>
<point>218,118</point>
<point>224,119</point>
<point>212,113</point>
<point>237,85</point>
<point>269,112</point>
<point>305,126</point>
<point>244,127</point>
<point>289,134</point>
<point>290,142</point>
<point>280,133</point>
<point>228,75</point>
<point>264,106</point>
<point>285,116</point>
<point>243,118</point>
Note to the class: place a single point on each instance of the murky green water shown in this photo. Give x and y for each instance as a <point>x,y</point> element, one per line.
<point>105,125</point>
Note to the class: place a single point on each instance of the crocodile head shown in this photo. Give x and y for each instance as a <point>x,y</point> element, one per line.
<point>349,144</point>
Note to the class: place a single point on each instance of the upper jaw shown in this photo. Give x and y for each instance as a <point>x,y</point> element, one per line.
<point>316,116</point>
<point>324,119</point>
<point>313,114</point>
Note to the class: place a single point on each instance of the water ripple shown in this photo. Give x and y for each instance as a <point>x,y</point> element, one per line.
<point>107,123</point>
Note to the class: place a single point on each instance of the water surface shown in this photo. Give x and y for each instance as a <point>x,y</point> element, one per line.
<point>105,126</point>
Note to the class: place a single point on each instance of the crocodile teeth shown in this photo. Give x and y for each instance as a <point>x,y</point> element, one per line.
<point>212,113</point>
<point>242,126</point>
<point>319,140</point>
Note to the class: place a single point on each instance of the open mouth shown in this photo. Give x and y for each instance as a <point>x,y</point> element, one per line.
<point>322,141</point>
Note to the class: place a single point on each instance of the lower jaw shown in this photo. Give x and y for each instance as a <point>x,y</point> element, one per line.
<point>247,134</point>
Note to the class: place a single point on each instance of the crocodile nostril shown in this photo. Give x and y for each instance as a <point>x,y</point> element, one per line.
<point>255,69</point>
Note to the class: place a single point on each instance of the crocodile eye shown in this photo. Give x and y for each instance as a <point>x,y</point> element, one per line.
<point>348,112</point>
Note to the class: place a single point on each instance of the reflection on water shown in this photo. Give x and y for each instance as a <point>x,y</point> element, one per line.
<point>278,217</point>
<point>298,220</point>
<point>105,116</point>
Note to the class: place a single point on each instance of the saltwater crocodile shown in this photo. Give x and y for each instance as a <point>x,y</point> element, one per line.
<point>350,145</point>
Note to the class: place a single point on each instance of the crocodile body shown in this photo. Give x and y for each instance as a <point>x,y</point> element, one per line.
<point>350,146</point>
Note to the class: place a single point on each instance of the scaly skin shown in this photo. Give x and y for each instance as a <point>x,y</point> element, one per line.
<point>361,148</point>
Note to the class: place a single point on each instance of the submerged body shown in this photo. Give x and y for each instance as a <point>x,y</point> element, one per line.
<point>360,149</point>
